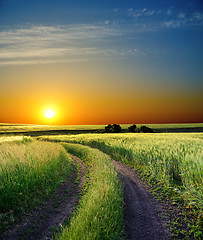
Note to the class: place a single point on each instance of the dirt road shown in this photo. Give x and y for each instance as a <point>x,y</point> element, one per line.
<point>140,211</point>
<point>41,224</point>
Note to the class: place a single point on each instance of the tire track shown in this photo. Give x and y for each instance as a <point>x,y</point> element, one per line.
<point>140,212</point>
<point>41,223</point>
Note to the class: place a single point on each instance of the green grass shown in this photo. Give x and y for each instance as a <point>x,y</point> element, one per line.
<point>15,139</point>
<point>29,173</point>
<point>172,159</point>
<point>99,214</point>
<point>173,162</point>
<point>29,127</point>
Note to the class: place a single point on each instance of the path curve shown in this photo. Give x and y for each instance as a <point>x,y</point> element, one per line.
<point>140,211</point>
<point>53,213</point>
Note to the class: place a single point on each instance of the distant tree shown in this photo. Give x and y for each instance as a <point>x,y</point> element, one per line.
<point>115,128</point>
<point>133,128</point>
<point>145,129</point>
<point>108,128</point>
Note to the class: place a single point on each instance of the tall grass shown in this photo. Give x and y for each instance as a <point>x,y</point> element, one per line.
<point>15,139</point>
<point>29,172</point>
<point>100,213</point>
<point>173,159</point>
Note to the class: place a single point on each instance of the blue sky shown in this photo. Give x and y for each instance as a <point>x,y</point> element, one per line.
<point>135,45</point>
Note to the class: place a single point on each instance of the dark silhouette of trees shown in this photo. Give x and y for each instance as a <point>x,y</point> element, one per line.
<point>115,128</point>
<point>143,129</point>
<point>133,128</point>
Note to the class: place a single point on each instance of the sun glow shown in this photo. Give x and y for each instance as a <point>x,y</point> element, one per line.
<point>49,113</point>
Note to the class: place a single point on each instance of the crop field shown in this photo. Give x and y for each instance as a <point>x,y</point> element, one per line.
<point>26,128</point>
<point>32,168</point>
<point>100,213</point>
<point>29,172</point>
<point>176,160</point>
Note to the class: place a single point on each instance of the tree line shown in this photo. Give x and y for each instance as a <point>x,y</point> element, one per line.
<point>116,128</point>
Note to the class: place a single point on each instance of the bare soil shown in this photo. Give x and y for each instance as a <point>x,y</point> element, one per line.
<point>43,221</point>
<point>141,211</point>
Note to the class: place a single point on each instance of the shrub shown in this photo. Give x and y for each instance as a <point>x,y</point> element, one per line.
<point>115,128</point>
<point>133,128</point>
<point>145,129</point>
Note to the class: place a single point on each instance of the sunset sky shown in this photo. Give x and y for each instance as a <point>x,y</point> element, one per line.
<point>101,61</point>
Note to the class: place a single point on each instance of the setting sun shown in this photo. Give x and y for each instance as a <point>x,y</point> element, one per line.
<point>49,113</point>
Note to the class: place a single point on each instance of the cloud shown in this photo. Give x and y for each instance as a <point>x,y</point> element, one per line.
<point>58,44</point>
<point>148,20</point>
<point>47,44</point>
<point>181,15</point>
<point>141,12</point>
<point>169,12</point>
<point>116,10</point>
<point>198,16</point>
<point>34,44</point>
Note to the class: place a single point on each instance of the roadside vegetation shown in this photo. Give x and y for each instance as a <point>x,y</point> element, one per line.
<point>172,163</point>
<point>100,211</point>
<point>29,172</point>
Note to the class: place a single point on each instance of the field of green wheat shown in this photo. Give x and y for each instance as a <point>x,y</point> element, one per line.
<point>175,160</point>
<point>29,172</point>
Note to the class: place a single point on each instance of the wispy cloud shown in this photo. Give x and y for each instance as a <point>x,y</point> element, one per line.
<point>153,20</point>
<point>141,12</point>
<point>33,44</point>
<point>47,44</point>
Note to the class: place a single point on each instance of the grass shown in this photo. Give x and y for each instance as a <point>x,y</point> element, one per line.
<point>15,139</point>
<point>99,214</point>
<point>173,162</point>
<point>14,128</point>
<point>29,172</point>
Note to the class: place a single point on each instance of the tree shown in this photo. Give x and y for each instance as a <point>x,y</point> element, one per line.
<point>145,129</point>
<point>133,128</point>
<point>115,128</point>
<point>108,128</point>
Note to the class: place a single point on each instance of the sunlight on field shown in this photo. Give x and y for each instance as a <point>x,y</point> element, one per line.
<point>29,172</point>
<point>100,213</point>
<point>170,158</point>
<point>15,139</point>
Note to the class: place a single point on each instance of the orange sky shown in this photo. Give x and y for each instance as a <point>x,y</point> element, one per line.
<point>100,109</point>
<point>100,62</point>
<point>94,94</point>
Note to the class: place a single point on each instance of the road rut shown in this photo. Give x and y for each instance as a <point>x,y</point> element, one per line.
<point>140,211</point>
<point>41,223</point>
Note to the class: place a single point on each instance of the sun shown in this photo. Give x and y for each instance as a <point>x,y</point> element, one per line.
<point>49,113</point>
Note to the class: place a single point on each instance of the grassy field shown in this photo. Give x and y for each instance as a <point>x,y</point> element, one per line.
<point>14,128</point>
<point>100,213</point>
<point>171,161</point>
<point>29,172</point>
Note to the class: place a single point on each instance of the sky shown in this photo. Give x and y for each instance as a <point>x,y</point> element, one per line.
<point>101,61</point>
